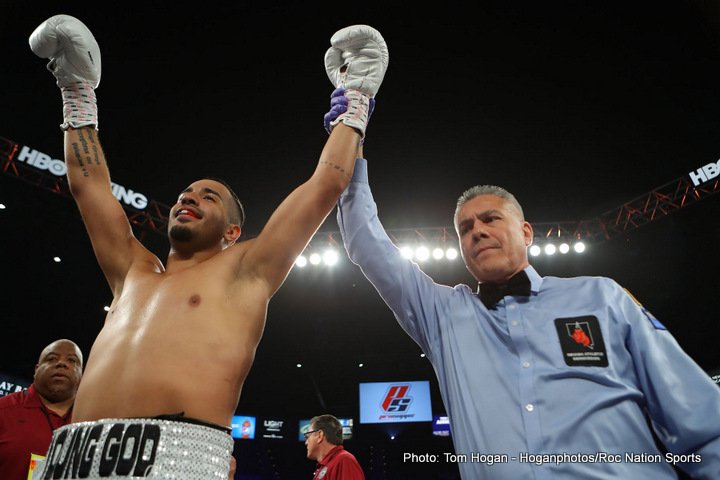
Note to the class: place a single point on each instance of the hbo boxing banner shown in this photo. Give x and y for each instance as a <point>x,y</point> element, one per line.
<point>715,375</point>
<point>25,156</point>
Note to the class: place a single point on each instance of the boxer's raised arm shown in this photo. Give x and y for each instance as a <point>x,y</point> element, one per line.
<point>356,64</point>
<point>76,64</point>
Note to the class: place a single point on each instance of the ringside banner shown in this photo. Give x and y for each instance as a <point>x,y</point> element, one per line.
<point>395,402</point>
<point>243,427</point>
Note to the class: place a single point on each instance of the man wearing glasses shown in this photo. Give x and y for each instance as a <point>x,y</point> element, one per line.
<point>324,445</point>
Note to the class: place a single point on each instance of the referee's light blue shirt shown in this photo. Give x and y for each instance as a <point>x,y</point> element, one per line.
<point>564,383</point>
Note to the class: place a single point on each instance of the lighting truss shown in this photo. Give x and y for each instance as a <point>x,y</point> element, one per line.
<point>636,213</point>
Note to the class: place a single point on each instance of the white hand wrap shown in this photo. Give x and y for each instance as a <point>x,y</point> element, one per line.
<point>79,106</point>
<point>75,62</point>
<point>357,113</point>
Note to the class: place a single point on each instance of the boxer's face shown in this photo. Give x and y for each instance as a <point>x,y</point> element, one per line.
<point>58,372</point>
<point>201,215</point>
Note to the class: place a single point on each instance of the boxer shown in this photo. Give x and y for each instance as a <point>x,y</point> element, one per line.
<point>180,336</point>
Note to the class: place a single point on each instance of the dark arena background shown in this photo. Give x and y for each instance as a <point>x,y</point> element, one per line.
<point>602,117</point>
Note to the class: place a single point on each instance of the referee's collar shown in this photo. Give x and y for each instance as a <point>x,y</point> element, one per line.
<point>535,279</point>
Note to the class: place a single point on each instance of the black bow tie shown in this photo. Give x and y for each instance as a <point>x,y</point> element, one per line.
<point>491,293</point>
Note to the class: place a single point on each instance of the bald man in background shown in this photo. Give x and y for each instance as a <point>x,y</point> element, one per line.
<point>29,417</point>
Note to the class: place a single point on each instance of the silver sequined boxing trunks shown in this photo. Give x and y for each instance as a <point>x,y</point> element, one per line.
<point>138,448</point>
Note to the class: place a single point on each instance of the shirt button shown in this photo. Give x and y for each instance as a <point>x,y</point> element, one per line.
<point>514,323</point>
<point>526,364</point>
<point>529,407</point>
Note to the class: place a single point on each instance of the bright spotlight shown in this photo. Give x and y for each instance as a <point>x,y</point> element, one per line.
<point>106,308</point>
<point>564,248</point>
<point>579,247</point>
<point>56,259</point>
<point>361,365</point>
<point>315,259</point>
<point>298,365</point>
<point>438,253</point>
<point>422,253</point>
<point>407,252</point>
<point>535,250</point>
<point>301,261</point>
<point>451,253</point>
<point>330,257</point>
<point>2,206</point>
<point>550,249</point>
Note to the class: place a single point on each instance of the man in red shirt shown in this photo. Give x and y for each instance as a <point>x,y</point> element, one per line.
<point>324,445</point>
<point>28,417</point>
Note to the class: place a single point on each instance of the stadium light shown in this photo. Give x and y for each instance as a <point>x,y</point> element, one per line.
<point>330,257</point>
<point>437,253</point>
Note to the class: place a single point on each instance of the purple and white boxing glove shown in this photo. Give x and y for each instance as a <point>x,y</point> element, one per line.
<point>356,64</point>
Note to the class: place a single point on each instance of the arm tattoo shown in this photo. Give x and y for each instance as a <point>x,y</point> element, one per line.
<point>79,158</point>
<point>83,140</point>
<point>89,155</point>
<point>95,149</point>
<point>336,167</point>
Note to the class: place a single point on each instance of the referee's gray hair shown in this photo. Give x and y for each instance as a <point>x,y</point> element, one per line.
<point>478,190</point>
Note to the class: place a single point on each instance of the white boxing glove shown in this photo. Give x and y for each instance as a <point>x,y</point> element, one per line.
<point>75,62</point>
<point>357,62</point>
<point>73,52</point>
<point>357,59</point>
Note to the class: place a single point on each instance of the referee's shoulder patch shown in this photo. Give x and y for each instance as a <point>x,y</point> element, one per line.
<point>655,322</point>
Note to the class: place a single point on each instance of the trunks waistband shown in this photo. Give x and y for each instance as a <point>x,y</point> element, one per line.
<point>180,417</point>
<point>180,448</point>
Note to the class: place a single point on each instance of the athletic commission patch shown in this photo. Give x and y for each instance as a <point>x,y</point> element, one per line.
<point>655,322</point>
<point>581,341</point>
